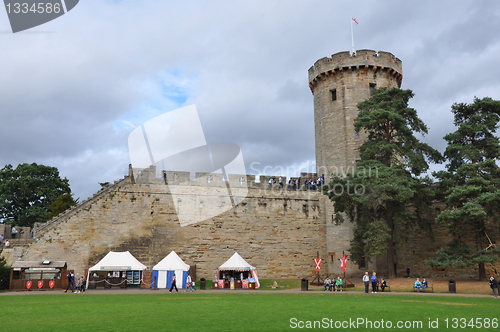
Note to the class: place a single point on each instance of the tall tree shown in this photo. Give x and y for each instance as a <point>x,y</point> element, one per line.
<point>471,186</point>
<point>384,196</point>
<point>27,191</point>
<point>60,204</point>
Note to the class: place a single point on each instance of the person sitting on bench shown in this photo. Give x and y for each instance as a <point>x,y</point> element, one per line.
<point>339,284</point>
<point>383,284</point>
<point>417,285</point>
<point>327,284</point>
<point>425,284</point>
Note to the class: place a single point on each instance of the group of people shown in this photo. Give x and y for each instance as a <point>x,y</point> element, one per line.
<point>190,284</point>
<point>375,282</point>
<point>309,184</point>
<point>335,284</point>
<point>3,243</point>
<point>80,285</point>
<point>420,285</point>
<point>295,183</point>
<point>417,285</point>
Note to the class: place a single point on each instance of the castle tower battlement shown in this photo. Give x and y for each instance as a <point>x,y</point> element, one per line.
<point>338,84</point>
<point>341,61</point>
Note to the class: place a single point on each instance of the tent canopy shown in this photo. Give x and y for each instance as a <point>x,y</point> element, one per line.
<point>118,261</point>
<point>236,263</point>
<point>171,262</point>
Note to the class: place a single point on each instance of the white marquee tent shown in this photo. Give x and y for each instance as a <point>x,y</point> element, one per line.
<point>121,262</point>
<point>237,263</point>
<point>118,261</point>
<point>164,271</point>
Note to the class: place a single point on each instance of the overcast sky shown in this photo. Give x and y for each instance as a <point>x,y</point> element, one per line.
<point>73,89</point>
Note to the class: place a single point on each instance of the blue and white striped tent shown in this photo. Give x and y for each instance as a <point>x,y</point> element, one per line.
<point>164,271</point>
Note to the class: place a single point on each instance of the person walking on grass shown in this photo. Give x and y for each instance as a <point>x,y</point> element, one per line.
<point>494,286</point>
<point>190,285</point>
<point>71,282</point>
<point>173,285</point>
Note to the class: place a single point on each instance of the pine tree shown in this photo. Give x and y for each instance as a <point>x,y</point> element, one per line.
<point>471,186</point>
<point>385,197</point>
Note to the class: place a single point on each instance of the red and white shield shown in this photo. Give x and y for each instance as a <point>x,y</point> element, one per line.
<point>29,284</point>
<point>52,283</point>
<point>40,284</point>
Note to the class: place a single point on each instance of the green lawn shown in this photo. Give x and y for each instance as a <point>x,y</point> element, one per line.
<point>238,311</point>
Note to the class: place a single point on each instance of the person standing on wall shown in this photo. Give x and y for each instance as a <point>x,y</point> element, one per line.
<point>366,281</point>
<point>14,232</point>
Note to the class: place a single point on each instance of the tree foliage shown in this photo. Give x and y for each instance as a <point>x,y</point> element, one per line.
<point>60,204</point>
<point>471,185</point>
<point>27,191</point>
<point>387,197</point>
<point>4,273</point>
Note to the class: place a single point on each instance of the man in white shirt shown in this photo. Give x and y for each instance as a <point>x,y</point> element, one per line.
<point>366,281</point>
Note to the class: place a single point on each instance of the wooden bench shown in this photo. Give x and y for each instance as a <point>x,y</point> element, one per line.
<point>429,289</point>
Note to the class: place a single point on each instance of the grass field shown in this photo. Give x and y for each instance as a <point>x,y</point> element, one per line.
<point>226,310</point>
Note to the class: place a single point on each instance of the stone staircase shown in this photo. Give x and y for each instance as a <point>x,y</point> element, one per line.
<point>40,228</point>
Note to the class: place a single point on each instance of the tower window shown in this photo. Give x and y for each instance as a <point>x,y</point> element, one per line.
<point>334,94</point>
<point>372,87</point>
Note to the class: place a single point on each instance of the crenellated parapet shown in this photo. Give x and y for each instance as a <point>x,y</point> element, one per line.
<point>343,61</point>
<point>203,179</point>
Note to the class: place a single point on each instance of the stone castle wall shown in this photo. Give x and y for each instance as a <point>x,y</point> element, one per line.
<point>278,231</point>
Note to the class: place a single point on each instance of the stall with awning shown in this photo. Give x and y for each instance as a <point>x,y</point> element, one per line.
<point>37,275</point>
<point>237,273</point>
<point>116,269</point>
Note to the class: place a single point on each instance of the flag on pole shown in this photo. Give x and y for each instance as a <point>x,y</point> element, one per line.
<point>343,263</point>
<point>317,262</point>
<point>353,51</point>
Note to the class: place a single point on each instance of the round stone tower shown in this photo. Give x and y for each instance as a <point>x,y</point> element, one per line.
<point>338,84</point>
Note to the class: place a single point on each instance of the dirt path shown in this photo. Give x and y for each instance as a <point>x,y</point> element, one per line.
<point>399,286</point>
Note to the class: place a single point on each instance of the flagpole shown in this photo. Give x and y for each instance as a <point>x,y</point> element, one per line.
<point>352,38</point>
